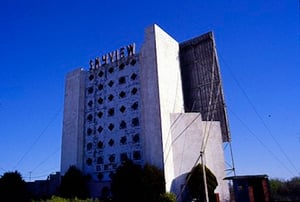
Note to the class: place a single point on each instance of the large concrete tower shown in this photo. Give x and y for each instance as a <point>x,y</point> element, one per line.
<point>143,106</point>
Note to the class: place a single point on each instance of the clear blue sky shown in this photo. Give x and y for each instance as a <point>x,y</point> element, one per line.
<point>258,43</point>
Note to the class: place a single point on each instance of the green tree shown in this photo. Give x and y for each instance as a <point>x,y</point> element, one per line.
<point>153,183</point>
<point>132,183</point>
<point>74,184</point>
<point>13,187</point>
<point>167,197</point>
<point>288,190</point>
<point>195,184</point>
<point>126,184</point>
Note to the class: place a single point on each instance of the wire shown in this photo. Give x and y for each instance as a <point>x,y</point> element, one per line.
<point>38,137</point>
<point>169,131</point>
<point>189,176</point>
<point>35,177</point>
<point>209,118</point>
<point>205,140</point>
<point>260,141</point>
<point>259,116</point>
<point>168,137</point>
<point>46,159</point>
<point>186,127</point>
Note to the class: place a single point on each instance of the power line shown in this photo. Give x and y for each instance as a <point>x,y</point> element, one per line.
<point>45,160</point>
<point>169,135</point>
<point>38,137</point>
<point>261,142</point>
<point>34,177</point>
<point>259,116</point>
<point>177,118</point>
<point>212,105</point>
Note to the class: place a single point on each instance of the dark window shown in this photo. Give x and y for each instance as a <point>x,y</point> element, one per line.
<point>111,142</point>
<point>100,114</point>
<point>90,103</point>
<point>135,121</point>
<point>122,109</point>
<point>110,83</point>
<point>122,80</point>
<point>121,66</point>
<point>122,94</point>
<point>90,90</point>
<point>89,161</point>
<point>132,62</point>
<point>111,70</point>
<point>136,138</point>
<point>135,106</point>
<point>122,125</point>
<point>123,140</point>
<point>89,131</point>
<point>101,73</point>
<point>100,145</point>
<point>123,157</point>
<point>90,117</point>
<point>100,129</point>
<point>91,77</point>
<point>89,146</point>
<point>111,126</point>
<point>111,175</point>
<point>110,97</point>
<point>137,155</point>
<point>100,87</point>
<point>133,76</point>
<point>100,100</point>
<point>100,176</point>
<point>100,160</point>
<point>111,112</point>
<point>112,158</point>
<point>134,91</point>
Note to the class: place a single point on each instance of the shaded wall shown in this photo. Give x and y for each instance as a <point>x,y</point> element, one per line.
<point>201,81</point>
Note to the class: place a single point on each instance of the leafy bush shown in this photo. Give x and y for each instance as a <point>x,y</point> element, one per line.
<point>13,187</point>
<point>167,197</point>
<point>59,199</point>
<point>74,184</point>
<point>133,183</point>
<point>195,183</point>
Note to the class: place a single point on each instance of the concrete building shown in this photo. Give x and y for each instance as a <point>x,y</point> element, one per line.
<point>163,105</point>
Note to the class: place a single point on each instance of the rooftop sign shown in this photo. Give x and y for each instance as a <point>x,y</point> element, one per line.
<point>113,56</point>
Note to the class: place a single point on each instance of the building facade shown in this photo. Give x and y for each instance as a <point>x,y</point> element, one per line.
<point>154,106</point>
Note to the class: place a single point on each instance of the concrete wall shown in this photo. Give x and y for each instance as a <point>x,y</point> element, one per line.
<point>188,132</point>
<point>73,121</point>
<point>161,95</point>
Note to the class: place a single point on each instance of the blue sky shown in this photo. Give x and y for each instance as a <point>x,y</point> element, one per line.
<point>258,44</point>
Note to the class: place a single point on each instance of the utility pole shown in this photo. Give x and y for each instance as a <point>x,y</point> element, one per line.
<point>30,176</point>
<point>204,176</point>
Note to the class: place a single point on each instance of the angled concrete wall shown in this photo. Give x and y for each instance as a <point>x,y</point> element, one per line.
<point>161,95</point>
<point>73,121</point>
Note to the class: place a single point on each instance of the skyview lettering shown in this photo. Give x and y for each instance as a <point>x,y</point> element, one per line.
<point>113,56</point>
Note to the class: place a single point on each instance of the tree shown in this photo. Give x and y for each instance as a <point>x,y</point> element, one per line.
<point>126,183</point>
<point>13,187</point>
<point>134,183</point>
<point>195,183</point>
<point>74,184</point>
<point>285,190</point>
<point>167,197</point>
<point>153,183</point>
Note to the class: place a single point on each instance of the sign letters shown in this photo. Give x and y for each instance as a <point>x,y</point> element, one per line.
<point>113,56</point>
